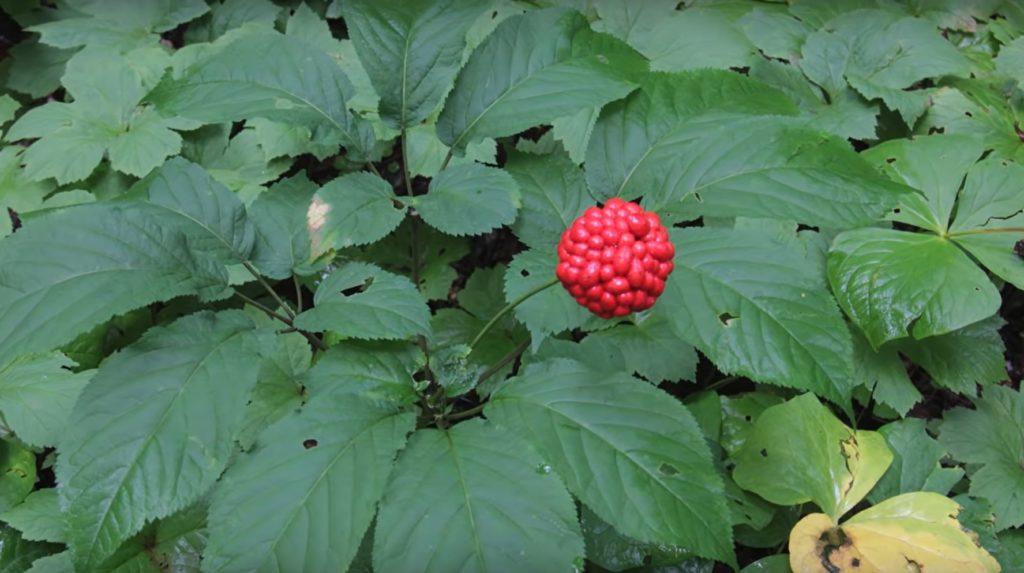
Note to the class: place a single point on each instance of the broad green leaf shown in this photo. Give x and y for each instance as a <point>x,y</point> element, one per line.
<point>242,166</point>
<point>758,307</point>
<point>651,347</point>
<point>469,199</point>
<point>354,209</point>
<point>1011,550</point>
<point>962,359</point>
<point>916,462</point>
<point>214,218</point>
<point>692,39</point>
<point>776,34</point>
<point>158,417</point>
<point>574,132</point>
<point>881,54</point>
<point>17,474</point>
<point>105,119</point>
<point>177,540</point>
<point>17,192</point>
<point>990,217</point>
<point>918,530</point>
<point>770,564</point>
<point>894,283</point>
<point>935,165</point>
<point>799,452</point>
<point>227,15</point>
<point>278,389</point>
<point>53,563</point>
<point>426,153</point>
<point>302,501</point>
<point>35,68</point>
<point>499,503</point>
<point>283,242</point>
<point>550,54</point>
<point>385,306</point>
<point>664,488</point>
<point>116,257</point>
<point>37,393</point>
<point>267,75</point>
<point>613,551</point>
<point>553,192</point>
<point>17,555</point>
<point>421,40</point>
<point>38,517</point>
<point>739,412</point>
<point>118,22</point>
<point>986,110</point>
<point>990,435</point>
<point>381,372</point>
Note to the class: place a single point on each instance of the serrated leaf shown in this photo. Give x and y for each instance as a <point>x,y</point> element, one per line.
<point>426,153</point>
<point>650,347</point>
<point>37,393</point>
<point>54,563</point>
<point>553,55</point>
<point>613,551</point>
<point>17,192</point>
<point>758,307</point>
<point>380,372</point>
<point>278,389</point>
<point>104,119</point>
<point>177,540</point>
<point>282,244</point>
<point>799,452</point>
<point>319,470</point>
<point>498,504</point>
<point>38,517</point>
<point>17,474</point>
<point>574,132</point>
<point>739,412</point>
<point>553,192</point>
<point>776,34</point>
<point>917,529</point>
<point>227,15</point>
<point>35,68</point>
<point>469,199</point>
<point>665,488</point>
<point>215,217</point>
<point>242,166</point>
<point>117,257</point>
<point>983,109</point>
<point>893,284</point>
<point>354,209</point>
<point>18,555</point>
<point>550,311</point>
<point>880,54</point>
<point>962,359</point>
<point>883,372</point>
<point>990,436</point>
<point>267,75</point>
<point>158,417</point>
<point>424,39</point>
<point>387,306</point>
<point>916,462</point>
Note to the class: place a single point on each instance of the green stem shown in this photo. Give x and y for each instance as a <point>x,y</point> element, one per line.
<point>298,294</point>
<point>447,158</point>
<point>986,231</point>
<point>509,307</point>
<point>373,168</point>
<point>719,383</point>
<point>505,360</point>
<point>270,290</point>
<point>314,340</point>
<point>467,413</point>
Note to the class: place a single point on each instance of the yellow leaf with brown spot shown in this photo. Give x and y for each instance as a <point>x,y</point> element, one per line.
<point>910,533</point>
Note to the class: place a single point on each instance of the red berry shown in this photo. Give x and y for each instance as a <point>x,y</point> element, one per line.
<point>615,259</point>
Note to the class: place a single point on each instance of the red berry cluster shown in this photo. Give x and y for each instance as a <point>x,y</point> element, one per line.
<point>614,260</point>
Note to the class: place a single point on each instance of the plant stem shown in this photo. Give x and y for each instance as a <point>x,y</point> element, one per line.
<point>373,168</point>
<point>719,383</point>
<point>986,231</point>
<point>447,158</point>
<point>467,413</point>
<point>298,294</point>
<point>494,320</point>
<point>405,164</point>
<point>505,360</point>
<point>315,341</point>
<point>270,290</point>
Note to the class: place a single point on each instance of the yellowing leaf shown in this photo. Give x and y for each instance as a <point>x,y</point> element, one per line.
<point>914,533</point>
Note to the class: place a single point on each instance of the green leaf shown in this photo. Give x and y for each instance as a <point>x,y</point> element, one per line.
<point>990,435</point>
<point>105,119</point>
<point>916,462</point>
<point>881,54</point>
<point>983,109</point>
<point>664,488</point>
<point>35,68</point>
<point>37,393</point>
<point>613,551</point>
<point>739,412</point>
<point>574,132</point>
<point>990,217</point>
<point>227,15</point>
<point>427,153</point>
<point>776,34</point>
<point>962,359</point>
<point>498,502</point>
<point>18,555</point>
<point>39,517</point>
<point>282,244</point>
<point>553,192</point>
<point>381,372</point>
<point>159,417</point>
<point>650,347</point>
<point>771,564</point>
<point>386,306</point>
<point>54,563</point>
<point>354,209</point>
<point>883,372</point>
<point>726,170</point>
<point>214,218</point>
<point>178,540</point>
<point>319,470</point>
<point>555,56</point>
<point>469,199</point>
<point>894,283</point>
<point>242,166</point>
<point>424,39</point>
<point>799,452</point>
<point>17,474</point>
<point>267,75</point>
<point>117,257</point>
<point>278,389</point>
<point>758,307</point>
